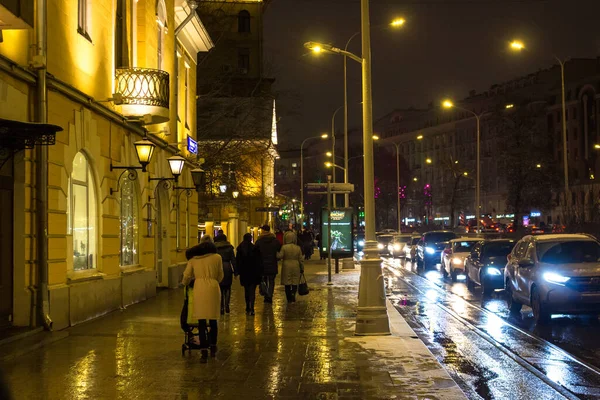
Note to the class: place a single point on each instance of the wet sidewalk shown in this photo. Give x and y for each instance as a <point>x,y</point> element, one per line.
<point>305,350</point>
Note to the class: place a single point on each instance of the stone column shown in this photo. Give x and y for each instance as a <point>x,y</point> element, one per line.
<point>233,229</point>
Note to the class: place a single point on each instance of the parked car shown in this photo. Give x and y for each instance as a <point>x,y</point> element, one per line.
<point>383,239</point>
<point>556,273</point>
<point>485,265</point>
<point>453,256</point>
<point>429,248</point>
<point>410,249</point>
<point>396,246</point>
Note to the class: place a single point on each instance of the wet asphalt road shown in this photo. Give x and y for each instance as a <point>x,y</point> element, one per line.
<point>491,354</point>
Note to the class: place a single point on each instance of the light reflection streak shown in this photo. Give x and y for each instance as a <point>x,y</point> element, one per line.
<point>493,326</point>
<point>433,276</point>
<point>557,373</point>
<point>83,372</point>
<point>432,295</point>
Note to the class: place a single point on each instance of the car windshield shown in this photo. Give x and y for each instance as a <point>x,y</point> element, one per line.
<point>438,237</point>
<point>497,249</point>
<point>574,251</point>
<point>384,239</point>
<point>463,247</point>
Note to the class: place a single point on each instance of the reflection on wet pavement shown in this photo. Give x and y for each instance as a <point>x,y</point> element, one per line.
<point>491,358</point>
<point>305,350</point>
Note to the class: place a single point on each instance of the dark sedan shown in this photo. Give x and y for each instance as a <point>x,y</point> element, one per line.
<point>431,245</point>
<point>485,265</point>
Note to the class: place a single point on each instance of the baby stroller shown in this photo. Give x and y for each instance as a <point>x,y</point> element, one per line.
<point>188,324</point>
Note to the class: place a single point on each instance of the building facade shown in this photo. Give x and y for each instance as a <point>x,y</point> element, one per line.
<point>434,142</point>
<point>110,74</point>
<point>237,120</point>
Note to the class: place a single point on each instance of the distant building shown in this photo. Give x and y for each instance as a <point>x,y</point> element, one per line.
<point>237,120</point>
<point>431,138</point>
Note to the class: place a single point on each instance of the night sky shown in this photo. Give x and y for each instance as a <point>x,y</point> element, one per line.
<point>446,48</point>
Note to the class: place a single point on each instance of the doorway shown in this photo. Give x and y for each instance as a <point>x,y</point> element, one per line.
<point>6,243</point>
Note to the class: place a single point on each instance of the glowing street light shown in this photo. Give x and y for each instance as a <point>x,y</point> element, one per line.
<point>597,146</point>
<point>509,106</point>
<point>329,154</point>
<point>397,22</point>
<point>428,161</point>
<point>375,137</point>
<point>538,166</point>
<point>517,45</point>
<point>465,173</point>
<point>447,104</point>
<point>415,179</point>
<point>420,137</point>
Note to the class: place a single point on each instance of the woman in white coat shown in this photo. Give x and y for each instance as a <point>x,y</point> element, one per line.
<point>206,270</point>
<point>292,265</point>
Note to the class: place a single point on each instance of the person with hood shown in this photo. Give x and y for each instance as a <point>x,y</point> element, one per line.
<point>292,265</point>
<point>206,270</point>
<point>225,250</point>
<point>250,271</point>
<point>268,246</point>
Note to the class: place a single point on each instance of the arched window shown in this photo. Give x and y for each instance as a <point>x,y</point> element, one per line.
<point>243,21</point>
<point>129,222</point>
<point>161,26</point>
<point>82,214</point>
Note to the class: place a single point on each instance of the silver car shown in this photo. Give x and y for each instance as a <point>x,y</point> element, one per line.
<point>454,255</point>
<point>554,274</point>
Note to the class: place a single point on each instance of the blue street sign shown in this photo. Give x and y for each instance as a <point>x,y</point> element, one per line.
<point>192,145</point>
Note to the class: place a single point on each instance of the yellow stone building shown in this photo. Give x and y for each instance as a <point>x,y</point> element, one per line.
<point>110,74</point>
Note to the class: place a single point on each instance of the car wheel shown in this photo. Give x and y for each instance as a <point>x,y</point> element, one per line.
<point>513,305</point>
<point>541,313</point>
<point>470,283</point>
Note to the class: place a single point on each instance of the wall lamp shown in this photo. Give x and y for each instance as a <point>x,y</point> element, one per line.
<point>144,149</point>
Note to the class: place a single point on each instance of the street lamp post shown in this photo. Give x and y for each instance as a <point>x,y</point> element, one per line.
<point>397,146</point>
<point>517,45</point>
<point>333,146</point>
<point>449,104</point>
<point>371,313</point>
<point>323,136</point>
<point>332,165</point>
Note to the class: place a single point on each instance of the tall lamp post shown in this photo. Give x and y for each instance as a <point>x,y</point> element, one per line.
<point>396,23</point>
<point>371,313</point>
<point>397,146</point>
<point>323,136</point>
<point>333,146</point>
<point>518,45</point>
<point>449,104</point>
<point>332,165</point>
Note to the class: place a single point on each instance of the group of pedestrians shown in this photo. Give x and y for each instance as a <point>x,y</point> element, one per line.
<point>213,265</point>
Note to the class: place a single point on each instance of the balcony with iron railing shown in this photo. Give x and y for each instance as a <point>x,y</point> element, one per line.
<point>142,92</point>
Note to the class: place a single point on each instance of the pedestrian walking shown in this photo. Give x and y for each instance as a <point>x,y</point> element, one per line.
<point>268,246</point>
<point>292,265</point>
<point>206,270</point>
<point>225,250</point>
<point>249,268</point>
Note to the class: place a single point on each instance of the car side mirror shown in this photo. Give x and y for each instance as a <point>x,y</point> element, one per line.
<point>526,263</point>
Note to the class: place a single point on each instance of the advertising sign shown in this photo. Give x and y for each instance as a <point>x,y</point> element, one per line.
<point>192,145</point>
<point>341,232</point>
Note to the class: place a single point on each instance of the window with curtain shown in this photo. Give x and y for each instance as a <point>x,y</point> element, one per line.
<point>243,21</point>
<point>82,214</point>
<point>129,222</point>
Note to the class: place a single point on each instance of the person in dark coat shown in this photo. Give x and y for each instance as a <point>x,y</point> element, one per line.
<point>268,246</point>
<point>226,251</point>
<point>249,268</point>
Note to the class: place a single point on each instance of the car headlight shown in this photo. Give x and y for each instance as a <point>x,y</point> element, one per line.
<point>457,261</point>
<point>397,247</point>
<point>493,271</point>
<point>380,246</point>
<point>553,277</point>
<point>430,250</point>
<point>361,242</point>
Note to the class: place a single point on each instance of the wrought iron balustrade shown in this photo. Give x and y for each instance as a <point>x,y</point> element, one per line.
<point>143,86</point>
